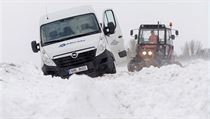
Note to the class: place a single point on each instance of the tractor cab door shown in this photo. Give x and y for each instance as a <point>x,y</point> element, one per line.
<point>115,39</point>
<point>169,45</point>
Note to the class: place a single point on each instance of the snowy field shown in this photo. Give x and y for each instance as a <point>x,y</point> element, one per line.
<point>169,92</point>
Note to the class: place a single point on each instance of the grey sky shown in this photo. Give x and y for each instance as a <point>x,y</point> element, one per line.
<point>20,21</point>
<point>208,24</point>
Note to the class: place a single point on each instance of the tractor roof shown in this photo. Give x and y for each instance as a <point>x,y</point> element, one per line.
<point>152,26</point>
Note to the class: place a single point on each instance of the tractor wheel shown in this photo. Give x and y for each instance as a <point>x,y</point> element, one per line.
<point>156,63</point>
<point>135,66</point>
<point>139,67</point>
<point>131,66</point>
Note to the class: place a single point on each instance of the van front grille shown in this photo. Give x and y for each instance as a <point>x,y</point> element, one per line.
<point>81,58</point>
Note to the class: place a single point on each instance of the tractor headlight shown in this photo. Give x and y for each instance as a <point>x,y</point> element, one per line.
<point>46,59</point>
<point>150,53</point>
<point>144,53</point>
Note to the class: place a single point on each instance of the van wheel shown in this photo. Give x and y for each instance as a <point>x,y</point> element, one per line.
<point>111,68</point>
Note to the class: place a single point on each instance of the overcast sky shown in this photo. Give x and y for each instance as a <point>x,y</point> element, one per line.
<point>20,21</point>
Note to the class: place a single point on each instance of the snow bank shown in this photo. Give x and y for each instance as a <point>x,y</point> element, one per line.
<point>169,92</point>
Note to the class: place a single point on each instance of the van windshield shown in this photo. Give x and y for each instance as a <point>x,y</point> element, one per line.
<point>69,28</point>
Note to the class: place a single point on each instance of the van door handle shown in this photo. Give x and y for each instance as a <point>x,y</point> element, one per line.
<point>120,36</point>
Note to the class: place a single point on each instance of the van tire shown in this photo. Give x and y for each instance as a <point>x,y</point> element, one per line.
<point>111,68</point>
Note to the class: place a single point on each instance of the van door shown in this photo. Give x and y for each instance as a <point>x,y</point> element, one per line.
<point>115,40</point>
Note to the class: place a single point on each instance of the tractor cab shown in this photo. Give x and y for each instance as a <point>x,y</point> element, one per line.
<point>154,45</point>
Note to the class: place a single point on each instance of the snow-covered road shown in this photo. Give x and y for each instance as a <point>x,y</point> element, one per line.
<point>169,92</point>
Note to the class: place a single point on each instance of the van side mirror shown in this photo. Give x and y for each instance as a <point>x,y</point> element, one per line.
<point>35,46</point>
<point>177,32</point>
<point>136,37</point>
<point>111,27</point>
<point>131,32</point>
<point>172,37</point>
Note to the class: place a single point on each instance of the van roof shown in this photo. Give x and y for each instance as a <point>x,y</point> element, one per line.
<point>65,14</point>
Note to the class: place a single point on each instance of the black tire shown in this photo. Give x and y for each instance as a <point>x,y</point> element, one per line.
<point>111,68</point>
<point>139,66</point>
<point>131,66</point>
<point>156,63</point>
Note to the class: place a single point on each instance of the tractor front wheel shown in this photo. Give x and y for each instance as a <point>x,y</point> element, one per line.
<point>135,66</point>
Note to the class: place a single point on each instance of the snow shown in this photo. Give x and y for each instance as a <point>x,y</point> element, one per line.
<point>169,92</point>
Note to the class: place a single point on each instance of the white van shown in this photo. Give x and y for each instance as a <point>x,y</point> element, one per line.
<point>73,41</point>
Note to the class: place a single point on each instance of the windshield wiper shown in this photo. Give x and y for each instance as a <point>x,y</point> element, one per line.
<point>50,42</point>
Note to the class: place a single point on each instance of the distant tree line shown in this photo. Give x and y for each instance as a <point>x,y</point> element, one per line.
<point>191,50</point>
<point>194,49</point>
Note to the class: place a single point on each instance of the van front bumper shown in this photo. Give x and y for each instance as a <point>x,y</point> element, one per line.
<point>98,66</point>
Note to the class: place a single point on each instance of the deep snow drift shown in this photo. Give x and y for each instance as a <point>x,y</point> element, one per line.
<point>169,92</point>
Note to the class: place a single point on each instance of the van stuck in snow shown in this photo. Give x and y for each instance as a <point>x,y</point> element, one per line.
<point>73,41</point>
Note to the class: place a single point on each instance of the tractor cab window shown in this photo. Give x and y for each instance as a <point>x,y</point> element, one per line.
<point>150,36</point>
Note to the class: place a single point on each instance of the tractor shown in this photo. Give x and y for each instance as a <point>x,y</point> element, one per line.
<point>154,46</point>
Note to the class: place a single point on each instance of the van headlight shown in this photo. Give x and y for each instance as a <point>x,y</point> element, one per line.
<point>101,47</point>
<point>46,59</point>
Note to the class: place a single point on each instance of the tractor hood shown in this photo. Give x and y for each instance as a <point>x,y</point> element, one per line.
<point>66,47</point>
